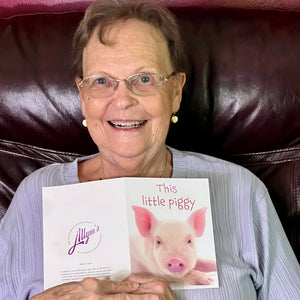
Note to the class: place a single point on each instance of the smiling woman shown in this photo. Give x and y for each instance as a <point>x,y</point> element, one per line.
<point>130,122</point>
<point>129,72</point>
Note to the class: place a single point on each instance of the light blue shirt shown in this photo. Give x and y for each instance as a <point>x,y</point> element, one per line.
<point>254,258</point>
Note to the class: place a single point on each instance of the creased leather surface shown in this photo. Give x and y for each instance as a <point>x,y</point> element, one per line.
<point>10,8</point>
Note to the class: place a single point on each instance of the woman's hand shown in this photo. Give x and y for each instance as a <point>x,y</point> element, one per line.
<point>90,288</point>
<point>134,287</point>
<point>150,287</point>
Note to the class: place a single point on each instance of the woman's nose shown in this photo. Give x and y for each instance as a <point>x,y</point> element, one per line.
<point>123,97</point>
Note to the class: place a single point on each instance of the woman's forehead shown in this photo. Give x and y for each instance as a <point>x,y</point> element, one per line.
<point>128,42</point>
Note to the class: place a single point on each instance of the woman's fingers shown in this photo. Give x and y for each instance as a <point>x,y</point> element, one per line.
<point>89,288</point>
<point>131,297</point>
<point>155,286</point>
<point>134,287</point>
<point>108,286</point>
<point>64,291</point>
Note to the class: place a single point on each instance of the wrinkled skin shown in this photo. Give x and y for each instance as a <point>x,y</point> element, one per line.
<point>135,287</point>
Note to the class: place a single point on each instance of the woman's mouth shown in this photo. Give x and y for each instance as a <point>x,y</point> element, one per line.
<point>127,124</point>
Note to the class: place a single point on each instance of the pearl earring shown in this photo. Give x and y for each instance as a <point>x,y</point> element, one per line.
<point>84,123</point>
<point>174,119</point>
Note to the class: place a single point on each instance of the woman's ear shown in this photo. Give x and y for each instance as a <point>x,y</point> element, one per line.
<point>77,81</point>
<point>81,96</point>
<point>180,79</point>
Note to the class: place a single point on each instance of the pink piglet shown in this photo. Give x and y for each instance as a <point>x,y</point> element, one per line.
<point>167,248</point>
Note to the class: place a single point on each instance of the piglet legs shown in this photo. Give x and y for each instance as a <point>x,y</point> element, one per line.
<point>195,277</point>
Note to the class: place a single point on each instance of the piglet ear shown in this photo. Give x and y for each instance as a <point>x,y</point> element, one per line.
<point>144,220</point>
<point>197,221</point>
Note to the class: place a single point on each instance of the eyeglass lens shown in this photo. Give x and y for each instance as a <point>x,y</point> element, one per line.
<point>142,84</point>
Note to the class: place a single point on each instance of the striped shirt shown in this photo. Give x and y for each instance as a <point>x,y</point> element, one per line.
<point>254,257</point>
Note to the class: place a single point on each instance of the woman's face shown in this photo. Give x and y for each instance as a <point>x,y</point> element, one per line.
<point>125,124</point>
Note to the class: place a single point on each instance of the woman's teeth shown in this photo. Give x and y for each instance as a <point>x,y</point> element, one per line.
<point>127,124</point>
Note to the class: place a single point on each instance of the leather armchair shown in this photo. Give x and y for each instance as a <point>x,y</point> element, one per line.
<point>241,101</point>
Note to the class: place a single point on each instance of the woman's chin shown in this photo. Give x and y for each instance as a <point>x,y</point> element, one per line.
<point>129,152</point>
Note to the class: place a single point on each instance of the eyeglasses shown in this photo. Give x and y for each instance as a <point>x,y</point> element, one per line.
<point>103,85</point>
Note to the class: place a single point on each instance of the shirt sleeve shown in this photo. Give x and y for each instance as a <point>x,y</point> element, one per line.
<point>21,247</point>
<point>276,260</point>
<point>21,233</point>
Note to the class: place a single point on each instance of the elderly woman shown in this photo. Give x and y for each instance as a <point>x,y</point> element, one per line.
<point>129,63</point>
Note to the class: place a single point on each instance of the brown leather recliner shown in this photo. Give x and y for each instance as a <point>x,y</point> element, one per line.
<point>241,101</point>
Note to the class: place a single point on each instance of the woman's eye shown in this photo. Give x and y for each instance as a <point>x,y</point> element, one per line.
<point>145,79</point>
<point>101,80</point>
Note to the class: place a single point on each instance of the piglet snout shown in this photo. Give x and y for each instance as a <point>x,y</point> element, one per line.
<point>175,264</point>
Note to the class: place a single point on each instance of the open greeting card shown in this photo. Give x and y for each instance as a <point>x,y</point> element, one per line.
<point>118,226</point>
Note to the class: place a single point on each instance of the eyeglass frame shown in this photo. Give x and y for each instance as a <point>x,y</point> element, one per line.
<point>117,80</point>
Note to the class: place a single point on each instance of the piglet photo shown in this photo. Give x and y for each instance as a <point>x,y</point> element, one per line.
<point>167,248</point>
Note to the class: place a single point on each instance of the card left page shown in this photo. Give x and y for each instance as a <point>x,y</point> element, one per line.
<point>85,232</point>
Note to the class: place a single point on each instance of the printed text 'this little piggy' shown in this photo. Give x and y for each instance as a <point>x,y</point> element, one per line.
<point>180,203</point>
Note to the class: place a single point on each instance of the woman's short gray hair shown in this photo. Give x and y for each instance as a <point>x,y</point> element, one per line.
<point>103,13</point>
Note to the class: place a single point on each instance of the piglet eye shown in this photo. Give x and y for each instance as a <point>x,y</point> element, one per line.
<point>158,242</point>
<point>189,240</point>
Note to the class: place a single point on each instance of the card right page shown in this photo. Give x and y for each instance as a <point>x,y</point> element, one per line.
<point>171,230</point>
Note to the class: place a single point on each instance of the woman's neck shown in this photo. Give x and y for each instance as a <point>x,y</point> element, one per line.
<point>102,167</point>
